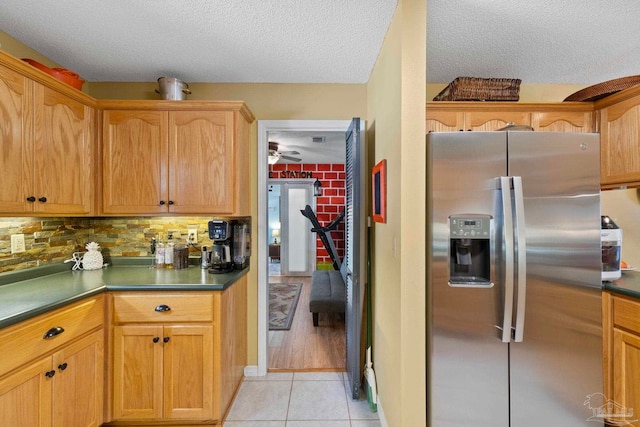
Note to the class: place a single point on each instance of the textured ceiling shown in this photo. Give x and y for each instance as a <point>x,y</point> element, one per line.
<point>332,150</point>
<point>538,41</point>
<point>293,41</point>
<point>578,42</point>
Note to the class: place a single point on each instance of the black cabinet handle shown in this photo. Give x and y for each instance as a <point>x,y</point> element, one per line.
<point>163,307</point>
<point>31,199</point>
<point>49,374</point>
<point>53,332</point>
<point>165,339</point>
<point>62,366</point>
<point>170,202</point>
<point>42,199</point>
<point>156,339</point>
<point>162,202</point>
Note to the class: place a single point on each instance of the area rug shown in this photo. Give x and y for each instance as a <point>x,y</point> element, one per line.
<point>283,300</point>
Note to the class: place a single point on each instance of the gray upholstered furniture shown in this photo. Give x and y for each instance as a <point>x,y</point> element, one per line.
<point>328,292</point>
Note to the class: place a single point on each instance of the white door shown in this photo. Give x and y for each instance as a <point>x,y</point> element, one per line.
<point>298,242</point>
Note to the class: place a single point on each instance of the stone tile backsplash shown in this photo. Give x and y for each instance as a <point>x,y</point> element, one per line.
<point>53,240</point>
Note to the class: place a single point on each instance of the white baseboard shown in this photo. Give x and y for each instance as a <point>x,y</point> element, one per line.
<point>251,371</point>
<point>383,419</point>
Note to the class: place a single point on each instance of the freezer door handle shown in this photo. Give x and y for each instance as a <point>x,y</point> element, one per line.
<point>521,250</point>
<point>507,215</point>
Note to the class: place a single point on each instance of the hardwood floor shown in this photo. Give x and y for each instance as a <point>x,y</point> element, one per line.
<point>303,347</point>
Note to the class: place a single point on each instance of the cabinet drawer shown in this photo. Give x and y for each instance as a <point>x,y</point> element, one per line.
<point>626,314</point>
<point>25,341</point>
<point>167,307</point>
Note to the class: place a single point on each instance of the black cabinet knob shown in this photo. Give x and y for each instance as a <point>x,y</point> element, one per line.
<point>49,374</point>
<point>166,339</point>
<point>42,199</point>
<point>62,366</point>
<point>156,339</point>
<point>53,332</point>
<point>163,307</point>
<point>170,202</point>
<point>31,199</point>
<point>162,202</point>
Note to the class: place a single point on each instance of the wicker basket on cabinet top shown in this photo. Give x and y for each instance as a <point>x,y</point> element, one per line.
<point>480,89</point>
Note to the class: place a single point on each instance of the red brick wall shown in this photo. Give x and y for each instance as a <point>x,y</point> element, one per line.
<point>329,205</point>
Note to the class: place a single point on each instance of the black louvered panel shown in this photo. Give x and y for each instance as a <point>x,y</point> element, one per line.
<point>352,255</point>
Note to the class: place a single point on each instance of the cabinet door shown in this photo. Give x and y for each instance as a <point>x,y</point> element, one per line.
<point>188,372</point>
<point>134,162</point>
<point>25,396</point>
<point>620,143</point>
<point>63,144</point>
<point>626,370</point>
<point>444,120</point>
<point>201,160</point>
<point>16,140</point>
<point>562,121</point>
<point>494,120</point>
<point>78,383</point>
<point>137,372</point>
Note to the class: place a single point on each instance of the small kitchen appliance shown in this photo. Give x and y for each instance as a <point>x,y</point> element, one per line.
<point>221,233</point>
<point>611,238</point>
<point>241,245</point>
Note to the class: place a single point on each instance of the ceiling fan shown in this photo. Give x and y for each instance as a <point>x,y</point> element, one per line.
<point>275,155</point>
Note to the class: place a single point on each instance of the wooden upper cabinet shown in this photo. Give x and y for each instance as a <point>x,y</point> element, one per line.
<point>201,161</point>
<point>494,120</point>
<point>474,116</point>
<point>483,116</point>
<point>63,153</point>
<point>134,162</point>
<point>620,143</point>
<point>562,121</point>
<point>46,149</point>
<point>163,159</point>
<point>444,120</point>
<point>16,142</point>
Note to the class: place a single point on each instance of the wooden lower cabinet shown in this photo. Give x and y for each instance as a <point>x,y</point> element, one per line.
<point>622,352</point>
<point>163,372</point>
<point>180,366</point>
<point>61,390</point>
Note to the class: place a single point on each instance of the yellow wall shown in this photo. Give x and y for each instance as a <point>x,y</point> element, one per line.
<point>623,206</point>
<point>267,101</point>
<point>396,133</point>
<point>21,50</point>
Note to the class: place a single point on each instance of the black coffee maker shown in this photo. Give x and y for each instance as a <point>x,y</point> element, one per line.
<point>221,232</point>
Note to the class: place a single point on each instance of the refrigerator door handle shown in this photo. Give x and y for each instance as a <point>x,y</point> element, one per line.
<point>522,258</point>
<point>505,186</point>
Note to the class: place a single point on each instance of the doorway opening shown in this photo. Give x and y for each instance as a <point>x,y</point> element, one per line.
<point>270,185</point>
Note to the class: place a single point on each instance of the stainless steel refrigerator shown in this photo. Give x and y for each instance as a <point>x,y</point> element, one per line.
<point>514,280</point>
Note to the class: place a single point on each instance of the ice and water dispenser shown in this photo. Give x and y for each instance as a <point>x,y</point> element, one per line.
<point>470,250</point>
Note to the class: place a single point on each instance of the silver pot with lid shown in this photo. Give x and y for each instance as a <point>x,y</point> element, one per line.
<point>173,89</point>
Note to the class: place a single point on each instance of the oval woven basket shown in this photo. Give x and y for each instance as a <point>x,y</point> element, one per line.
<point>604,89</point>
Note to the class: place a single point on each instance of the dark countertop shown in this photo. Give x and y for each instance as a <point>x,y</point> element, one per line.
<point>628,284</point>
<point>28,293</point>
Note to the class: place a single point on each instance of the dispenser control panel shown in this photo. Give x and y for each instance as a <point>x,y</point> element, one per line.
<point>470,227</point>
<point>470,251</point>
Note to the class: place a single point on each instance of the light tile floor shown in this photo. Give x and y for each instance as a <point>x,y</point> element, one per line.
<point>301,399</point>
